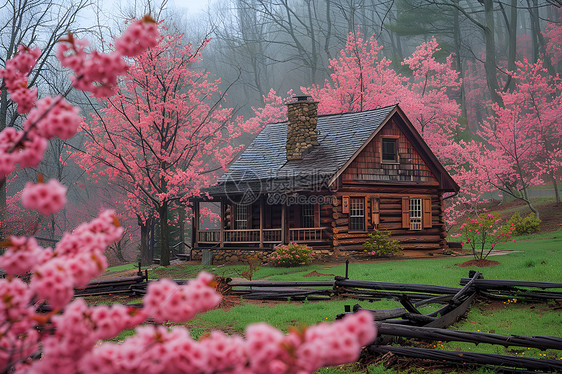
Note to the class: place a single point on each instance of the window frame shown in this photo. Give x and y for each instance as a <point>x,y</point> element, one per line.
<point>353,209</point>
<point>308,213</point>
<point>244,220</point>
<point>395,141</point>
<point>415,209</point>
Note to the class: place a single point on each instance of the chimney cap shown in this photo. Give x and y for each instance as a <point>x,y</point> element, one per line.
<point>302,97</point>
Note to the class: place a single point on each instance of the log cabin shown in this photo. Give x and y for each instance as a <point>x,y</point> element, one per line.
<point>328,181</point>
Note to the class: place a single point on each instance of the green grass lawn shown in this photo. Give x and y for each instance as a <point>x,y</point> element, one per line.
<point>114,269</point>
<point>538,259</point>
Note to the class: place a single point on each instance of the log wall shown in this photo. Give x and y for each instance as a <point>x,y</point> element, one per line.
<point>390,218</point>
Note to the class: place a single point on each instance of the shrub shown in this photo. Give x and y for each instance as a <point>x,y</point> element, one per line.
<point>527,225</point>
<point>380,245</point>
<point>484,231</point>
<point>291,255</point>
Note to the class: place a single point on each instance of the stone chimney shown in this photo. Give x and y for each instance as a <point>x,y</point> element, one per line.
<point>301,128</point>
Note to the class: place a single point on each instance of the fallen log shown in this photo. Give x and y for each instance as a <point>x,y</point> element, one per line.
<point>282,284</point>
<point>352,292</point>
<point>472,358</point>
<point>509,284</point>
<point>467,287</point>
<point>390,286</point>
<point>430,333</point>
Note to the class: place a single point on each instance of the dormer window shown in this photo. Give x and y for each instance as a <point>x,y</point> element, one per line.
<point>389,150</point>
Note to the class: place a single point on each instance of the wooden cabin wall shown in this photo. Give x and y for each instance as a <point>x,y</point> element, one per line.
<point>368,165</point>
<point>390,218</point>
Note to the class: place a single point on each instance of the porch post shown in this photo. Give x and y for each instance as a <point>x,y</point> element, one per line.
<point>195,223</point>
<point>221,233</point>
<point>261,220</point>
<point>283,223</point>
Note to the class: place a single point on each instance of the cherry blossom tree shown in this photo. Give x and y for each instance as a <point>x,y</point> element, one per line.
<point>163,135</point>
<point>64,336</point>
<point>362,79</point>
<point>525,134</point>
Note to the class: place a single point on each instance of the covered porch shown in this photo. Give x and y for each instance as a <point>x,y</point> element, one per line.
<point>258,224</point>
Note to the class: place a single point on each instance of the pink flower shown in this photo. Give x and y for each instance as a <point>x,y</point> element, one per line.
<point>140,35</point>
<point>18,148</point>
<point>46,198</point>
<point>53,283</point>
<point>54,117</point>
<point>22,256</point>
<point>167,301</point>
<point>15,77</point>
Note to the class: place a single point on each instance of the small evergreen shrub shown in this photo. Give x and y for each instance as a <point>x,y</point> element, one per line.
<point>380,245</point>
<point>291,255</point>
<point>527,225</point>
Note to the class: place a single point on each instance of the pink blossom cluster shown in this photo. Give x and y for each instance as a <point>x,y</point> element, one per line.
<point>54,117</point>
<point>168,301</point>
<point>156,349</point>
<point>19,148</point>
<point>18,337</point>
<point>46,198</point>
<point>139,36</point>
<point>49,118</point>
<point>76,332</point>
<point>97,72</point>
<point>15,77</point>
<point>22,255</point>
<point>77,258</point>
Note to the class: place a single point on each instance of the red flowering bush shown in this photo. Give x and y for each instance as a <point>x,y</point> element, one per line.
<point>291,255</point>
<point>483,233</point>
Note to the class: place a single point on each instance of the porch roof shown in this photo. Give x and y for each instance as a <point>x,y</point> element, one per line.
<point>263,166</point>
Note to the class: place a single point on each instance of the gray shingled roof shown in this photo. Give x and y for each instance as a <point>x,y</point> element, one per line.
<point>264,161</point>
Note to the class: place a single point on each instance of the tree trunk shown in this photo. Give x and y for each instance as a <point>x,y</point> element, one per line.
<point>181,225</point>
<point>152,238</point>
<point>490,63</point>
<point>145,255</point>
<point>460,68</point>
<point>164,234</point>
<point>556,192</point>
<point>3,183</point>
<point>512,52</point>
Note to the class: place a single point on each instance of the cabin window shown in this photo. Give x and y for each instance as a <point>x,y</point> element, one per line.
<point>415,214</point>
<point>357,214</point>
<point>241,214</point>
<point>307,216</point>
<point>389,150</point>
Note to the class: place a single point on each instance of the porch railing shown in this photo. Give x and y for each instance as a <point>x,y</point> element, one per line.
<point>209,236</point>
<point>240,236</point>
<point>312,234</point>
